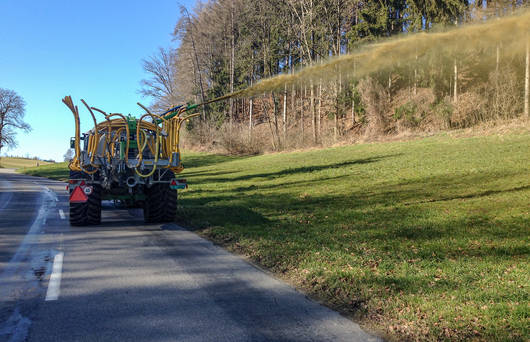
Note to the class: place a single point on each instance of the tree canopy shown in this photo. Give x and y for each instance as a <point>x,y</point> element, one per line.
<point>12,110</point>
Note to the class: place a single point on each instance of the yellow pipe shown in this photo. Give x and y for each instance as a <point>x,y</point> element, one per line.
<point>154,164</point>
<point>126,129</point>
<point>157,146</point>
<point>74,163</point>
<point>158,138</point>
<point>96,134</point>
<point>138,127</point>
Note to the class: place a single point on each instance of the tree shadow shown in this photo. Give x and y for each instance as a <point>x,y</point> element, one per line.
<point>196,160</point>
<point>290,171</point>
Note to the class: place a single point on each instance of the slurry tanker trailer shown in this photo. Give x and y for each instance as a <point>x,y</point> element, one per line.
<point>132,161</point>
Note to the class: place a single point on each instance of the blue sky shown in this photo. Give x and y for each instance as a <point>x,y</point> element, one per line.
<point>88,49</point>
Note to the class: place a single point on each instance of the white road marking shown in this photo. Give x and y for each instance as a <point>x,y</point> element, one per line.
<point>54,286</point>
<point>30,240</point>
<point>61,213</point>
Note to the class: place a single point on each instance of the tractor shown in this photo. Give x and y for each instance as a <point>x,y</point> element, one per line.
<point>133,162</point>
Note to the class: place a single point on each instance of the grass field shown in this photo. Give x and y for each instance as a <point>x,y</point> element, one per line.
<point>16,163</point>
<point>425,239</point>
<point>57,171</point>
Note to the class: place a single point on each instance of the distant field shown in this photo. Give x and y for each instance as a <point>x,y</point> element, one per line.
<point>57,171</point>
<point>15,163</point>
<point>418,240</point>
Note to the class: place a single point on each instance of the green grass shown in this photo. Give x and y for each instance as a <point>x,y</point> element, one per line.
<point>426,239</point>
<point>57,171</point>
<point>16,163</point>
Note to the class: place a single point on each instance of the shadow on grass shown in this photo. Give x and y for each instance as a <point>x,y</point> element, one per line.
<point>193,160</point>
<point>280,173</point>
<point>386,216</point>
<point>473,195</point>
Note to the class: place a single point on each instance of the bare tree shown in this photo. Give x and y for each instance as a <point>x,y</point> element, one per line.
<point>187,26</point>
<point>12,110</point>
<point>161,84</point>
<point>527,80</point>
<point>69,155</point>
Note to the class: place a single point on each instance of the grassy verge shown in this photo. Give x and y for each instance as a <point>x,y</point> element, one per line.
<point>426,239</point>
<point>57,171</point>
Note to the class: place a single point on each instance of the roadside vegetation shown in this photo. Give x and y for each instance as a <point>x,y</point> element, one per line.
<point>16,163</point>
<point>57,171</point>
<point>417,240</point>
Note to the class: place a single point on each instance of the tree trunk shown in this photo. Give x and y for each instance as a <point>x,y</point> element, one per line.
<point>2,118</point>
<point>285,115</point>
<point>293,104</point>
<point>353,110</point>
<point>416,75</point>
<point>251,105</point>
<point>266,112</point>
<point>319,114</point>
<point>302,112</point>
<point>203,98</point>
<point>455,92</point>
<point>312,109</point>
<point>527,81</point>
<point>353,89</point>
<point>232,62</point>
<point>497,62</point>
<point>276,128</point>
<point>336,119</point>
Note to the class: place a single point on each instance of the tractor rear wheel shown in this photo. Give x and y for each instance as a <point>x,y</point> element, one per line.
<point>89,212</point>
<point>169,210</point>
<point>161,202</point>
<point>153,204</point>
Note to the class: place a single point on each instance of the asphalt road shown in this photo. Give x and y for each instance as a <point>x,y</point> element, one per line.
<point>127,281</point>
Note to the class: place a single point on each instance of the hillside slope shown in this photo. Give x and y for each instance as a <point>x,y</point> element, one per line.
<point>420,239</point>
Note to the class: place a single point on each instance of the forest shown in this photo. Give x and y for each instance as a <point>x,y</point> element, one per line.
<point>223,46</point>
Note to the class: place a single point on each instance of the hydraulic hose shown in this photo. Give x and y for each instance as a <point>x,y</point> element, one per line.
<point>108,116</point>
<point>95,141</point>
<point>154,117</point>
<point>75,163</point>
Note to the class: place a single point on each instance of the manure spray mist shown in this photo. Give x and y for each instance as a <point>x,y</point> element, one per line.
<point>470,41</point>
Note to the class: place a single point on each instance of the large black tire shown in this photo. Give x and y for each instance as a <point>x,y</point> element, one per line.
<point>169,209</point>
<point>153,204</point>
<point>161,202</point>
<point>88,213</point>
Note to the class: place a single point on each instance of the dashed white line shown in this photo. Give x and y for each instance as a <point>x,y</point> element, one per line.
<point>54,286</point>
<point>61,213</point>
